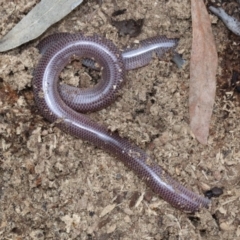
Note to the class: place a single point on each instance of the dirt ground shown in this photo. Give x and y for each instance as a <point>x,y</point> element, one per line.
<point>53,186</point>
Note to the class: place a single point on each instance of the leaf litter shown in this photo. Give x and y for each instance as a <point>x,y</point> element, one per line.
<point>73,197</point>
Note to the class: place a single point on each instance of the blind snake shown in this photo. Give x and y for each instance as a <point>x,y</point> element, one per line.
<point>61,103</point>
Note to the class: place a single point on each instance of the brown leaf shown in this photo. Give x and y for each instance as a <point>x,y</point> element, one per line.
<point>203,68</point>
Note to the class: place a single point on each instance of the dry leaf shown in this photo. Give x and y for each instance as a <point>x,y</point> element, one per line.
<point>107,210</point>
<point>203,68</point>
<point>41,17</point>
